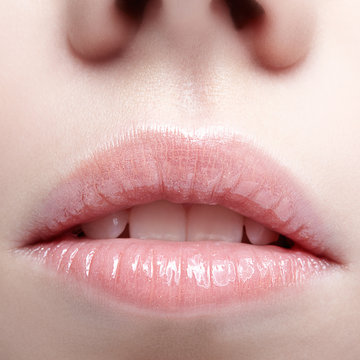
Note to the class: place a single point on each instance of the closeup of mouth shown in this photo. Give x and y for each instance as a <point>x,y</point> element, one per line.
<point>168,220</point>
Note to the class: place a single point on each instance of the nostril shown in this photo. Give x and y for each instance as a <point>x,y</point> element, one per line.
<point>134,8</point>
<point>281,32</point>
<point>244,12</point>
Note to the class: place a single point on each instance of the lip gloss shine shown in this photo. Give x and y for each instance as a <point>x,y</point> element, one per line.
<point>172,276</point>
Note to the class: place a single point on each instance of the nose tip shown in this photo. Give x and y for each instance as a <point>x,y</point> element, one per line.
<point>281,30</point>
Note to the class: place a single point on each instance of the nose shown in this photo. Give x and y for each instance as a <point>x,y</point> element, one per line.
<point>278,33</point>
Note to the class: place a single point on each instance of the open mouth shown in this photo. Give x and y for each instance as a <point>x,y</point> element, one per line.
<point>172,220</point>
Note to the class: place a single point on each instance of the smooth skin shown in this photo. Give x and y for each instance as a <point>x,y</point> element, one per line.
<point>75,72</point>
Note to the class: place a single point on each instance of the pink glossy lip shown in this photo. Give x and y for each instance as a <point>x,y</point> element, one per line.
<point>193,167</point>
<point>172,276</point>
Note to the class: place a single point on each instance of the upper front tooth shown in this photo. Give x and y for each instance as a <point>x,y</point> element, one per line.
<point>213,222</point>
<point>160,220</point>
<point>109,227</point>
<point>259,234</point>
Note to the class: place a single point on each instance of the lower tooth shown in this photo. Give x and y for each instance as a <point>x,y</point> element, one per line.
<point>259,234</point>
<point>213,222</point>
<point>109,227</point>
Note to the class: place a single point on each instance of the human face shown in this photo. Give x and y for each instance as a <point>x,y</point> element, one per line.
<point>79,76</point>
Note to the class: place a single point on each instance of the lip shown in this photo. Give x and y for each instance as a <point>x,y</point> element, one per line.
<point>200,166</point>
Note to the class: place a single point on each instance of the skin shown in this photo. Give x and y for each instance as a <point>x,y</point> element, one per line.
<point>67,84</point>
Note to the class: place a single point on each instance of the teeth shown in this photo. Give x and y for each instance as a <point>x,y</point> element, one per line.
<point>163,220</point>
<point>209,222</point>
<point>160,220</point>
<point>259,234</point>
<point>108,227</point>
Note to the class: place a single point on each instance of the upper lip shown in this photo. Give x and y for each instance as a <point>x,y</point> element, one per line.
<point>185,166</point>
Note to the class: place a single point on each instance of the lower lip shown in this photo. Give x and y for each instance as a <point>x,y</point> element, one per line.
<point>172,276</point>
